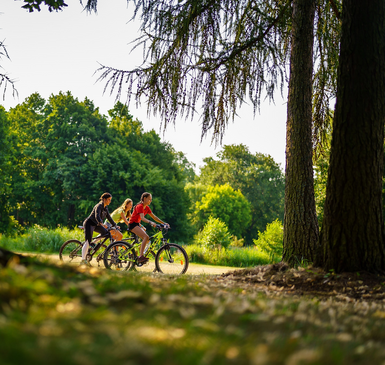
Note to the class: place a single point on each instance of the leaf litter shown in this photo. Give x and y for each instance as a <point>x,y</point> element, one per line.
<point>312,282</point>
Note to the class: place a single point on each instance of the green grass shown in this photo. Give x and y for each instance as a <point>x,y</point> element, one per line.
<point>40,239</point>
<point>234,257</point>
<point>62,315</point>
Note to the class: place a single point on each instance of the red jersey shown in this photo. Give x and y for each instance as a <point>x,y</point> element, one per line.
<point>135,217</point>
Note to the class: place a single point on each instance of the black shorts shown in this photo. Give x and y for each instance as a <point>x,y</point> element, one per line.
<point>132,225</point>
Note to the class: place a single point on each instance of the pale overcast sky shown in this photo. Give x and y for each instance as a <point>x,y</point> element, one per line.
<point>53,52</point>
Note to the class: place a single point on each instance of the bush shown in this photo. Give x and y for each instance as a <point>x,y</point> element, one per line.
<point>271,240</point>
<point>42,239</point>
<point>214,234</point>
<point>235,242</point>
<point>10,226</point>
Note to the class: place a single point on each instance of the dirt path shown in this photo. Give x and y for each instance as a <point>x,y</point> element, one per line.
<point>197,269</point>
<point>193,269</point>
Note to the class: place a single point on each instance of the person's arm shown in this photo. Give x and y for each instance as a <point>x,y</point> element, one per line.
<point>155,218</point>
<point>146,220</point>
<point>123,216</point>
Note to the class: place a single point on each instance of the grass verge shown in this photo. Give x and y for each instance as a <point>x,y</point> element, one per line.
<point>40,239</point>
<point>234,257</point>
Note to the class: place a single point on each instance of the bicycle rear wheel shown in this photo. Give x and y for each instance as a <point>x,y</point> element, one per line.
<point>172,259</point>
<point>118,256</point>
<point>71,252</point>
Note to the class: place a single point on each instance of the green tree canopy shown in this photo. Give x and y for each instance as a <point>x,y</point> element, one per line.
<point>65,154</point>
<point>53,5</point>
<point>257,176</point>
<point>227,204</point>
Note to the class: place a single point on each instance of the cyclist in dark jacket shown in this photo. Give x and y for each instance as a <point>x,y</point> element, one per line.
<point>94,222</point>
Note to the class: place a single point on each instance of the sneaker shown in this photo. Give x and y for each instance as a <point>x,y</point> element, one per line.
<point>84,262</point>
<point>142,260</point>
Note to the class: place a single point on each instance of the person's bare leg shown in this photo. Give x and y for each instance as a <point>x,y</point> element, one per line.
<point>143,235</point>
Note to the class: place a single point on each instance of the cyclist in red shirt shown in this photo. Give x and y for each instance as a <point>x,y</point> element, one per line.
<point>141,209</point>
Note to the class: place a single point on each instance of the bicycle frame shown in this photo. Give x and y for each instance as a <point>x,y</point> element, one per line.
<point>98,241</point>
<point>154,240</point>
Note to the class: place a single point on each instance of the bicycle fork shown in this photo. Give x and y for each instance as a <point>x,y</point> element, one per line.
<point>169,259</point>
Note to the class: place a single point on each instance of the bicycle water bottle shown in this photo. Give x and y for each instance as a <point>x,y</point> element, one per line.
<point>147,247</point>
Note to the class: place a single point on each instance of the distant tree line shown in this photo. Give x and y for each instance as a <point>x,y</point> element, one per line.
<point>59,155</point>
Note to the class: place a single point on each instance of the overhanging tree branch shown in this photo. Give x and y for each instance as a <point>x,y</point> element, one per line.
<point>214,52</point>
<point>335,9</point>
<point>5,80</point>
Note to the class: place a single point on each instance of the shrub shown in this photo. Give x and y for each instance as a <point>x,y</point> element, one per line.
<point>236,257</point>
<point>271,240</point>
<point>214,234</point>
<point>40,239</point>
<point>235,242</point>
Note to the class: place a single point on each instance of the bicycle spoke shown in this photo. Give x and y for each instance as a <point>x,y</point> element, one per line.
<point>172,259</point>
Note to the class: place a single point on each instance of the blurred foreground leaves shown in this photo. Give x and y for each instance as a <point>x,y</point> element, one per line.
<point>69,315</point>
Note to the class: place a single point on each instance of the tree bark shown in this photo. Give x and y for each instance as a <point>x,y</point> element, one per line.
<point>352,237</point>
<point>300,219</point>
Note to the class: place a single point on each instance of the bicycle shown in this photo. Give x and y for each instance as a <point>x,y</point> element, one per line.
<point>170,258</point>
<point>71,251</point>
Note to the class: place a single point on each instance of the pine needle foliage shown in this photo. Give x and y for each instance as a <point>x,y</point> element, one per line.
<point>5,80</point>
<point>327,40</point>
<point>206,57</point>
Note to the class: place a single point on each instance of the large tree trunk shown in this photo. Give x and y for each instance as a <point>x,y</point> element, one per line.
<point>352,237</point>
<point>300,220</point>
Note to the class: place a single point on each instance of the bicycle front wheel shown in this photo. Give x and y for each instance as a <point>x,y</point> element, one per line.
<point>71,252</point>
<point>172,259</point>
<point>118,256</point>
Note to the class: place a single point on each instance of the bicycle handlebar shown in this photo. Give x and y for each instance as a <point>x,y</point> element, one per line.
<point>158,226</point>
<point>162,226</point>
